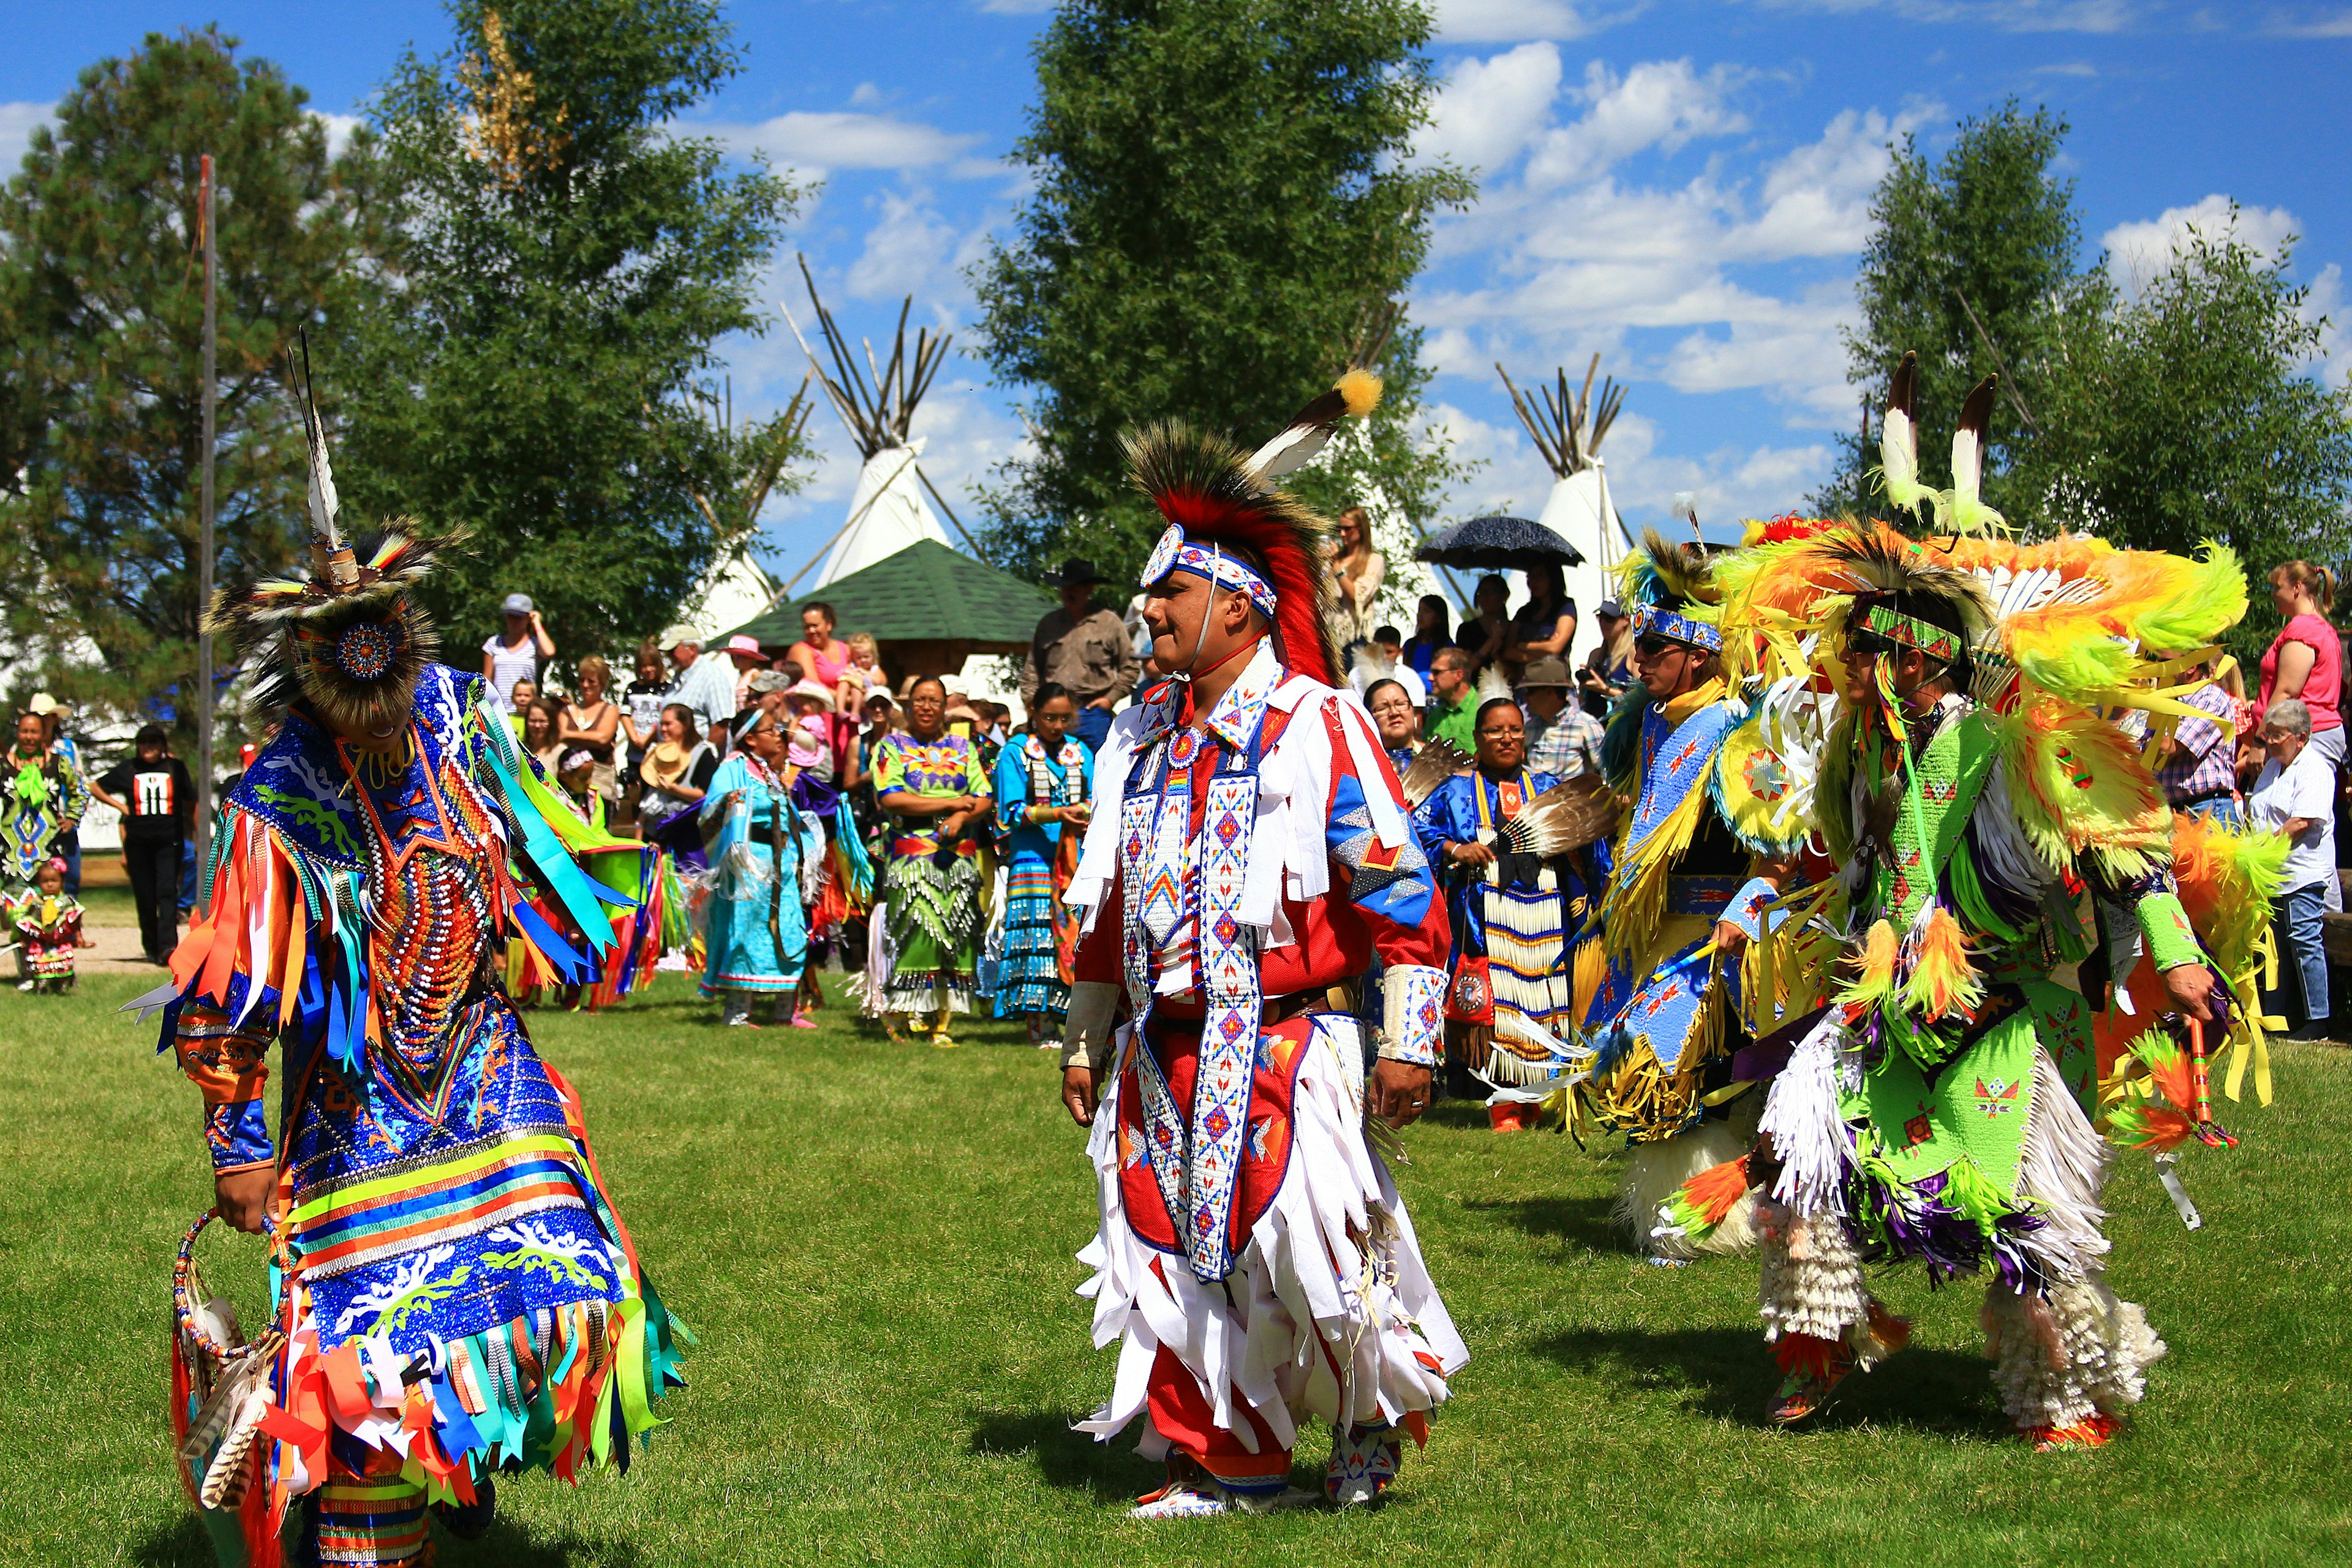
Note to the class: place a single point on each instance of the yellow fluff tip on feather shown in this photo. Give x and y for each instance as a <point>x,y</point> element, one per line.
<point>1361,388</point>
<point>1942,979</point>
<point>1874,968</point>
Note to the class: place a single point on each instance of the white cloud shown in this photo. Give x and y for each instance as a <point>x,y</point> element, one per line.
<point>2328,23</point>
<point>16,122</point>
<point>1558,264</point>
<point>2137,252</point>
<point>1510,21</point>
<point>2326,304</point>
<point>1662,104</point>
<point>339,130</point>
<point>913,250</point>
<point>813,141</point>
<point>2010,15</point>
<point>1489,110</point>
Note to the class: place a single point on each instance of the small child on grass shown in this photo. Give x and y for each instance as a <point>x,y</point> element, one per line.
<point>48,929</point>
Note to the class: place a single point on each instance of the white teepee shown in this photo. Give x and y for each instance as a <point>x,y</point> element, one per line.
<point>1567,432</point>
<point>888,511</point>
<point>735,589</point>
<point>734,592</point>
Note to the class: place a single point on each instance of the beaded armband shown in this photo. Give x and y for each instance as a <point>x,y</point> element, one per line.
<point>1413,1009</point>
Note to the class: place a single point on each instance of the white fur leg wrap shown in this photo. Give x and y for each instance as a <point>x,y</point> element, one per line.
<point>1653,1172</point>
<point>2060,1168</point>
<point>2058,1359</point>
<point>1807,1126</point>
<point>1810,1278</point>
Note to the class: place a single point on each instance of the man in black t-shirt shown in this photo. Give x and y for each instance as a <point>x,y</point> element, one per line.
<point>158,803</point>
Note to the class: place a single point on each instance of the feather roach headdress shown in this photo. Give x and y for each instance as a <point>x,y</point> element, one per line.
<point>346,636</point>
<point>1669,591</point>
<point>1216,497</point>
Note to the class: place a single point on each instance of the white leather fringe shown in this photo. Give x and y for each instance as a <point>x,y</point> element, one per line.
<point>1328,1309</point>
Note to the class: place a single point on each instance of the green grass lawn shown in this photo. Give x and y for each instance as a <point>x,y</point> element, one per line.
<point>874,1243</point>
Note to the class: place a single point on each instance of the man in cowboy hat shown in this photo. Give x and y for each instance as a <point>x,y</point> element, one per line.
<point>1082,648</point>
<point>1563,739</point>
<point>704,686</point>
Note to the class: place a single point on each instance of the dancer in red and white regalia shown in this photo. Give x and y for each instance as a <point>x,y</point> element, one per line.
<point>1251,852</point>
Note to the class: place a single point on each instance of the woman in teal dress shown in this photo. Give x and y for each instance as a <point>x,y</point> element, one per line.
<point>1044,779</point>
<point>758,938</point>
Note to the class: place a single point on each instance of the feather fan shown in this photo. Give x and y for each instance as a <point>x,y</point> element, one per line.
<point>1569,815</point>
<point>1437,761</point>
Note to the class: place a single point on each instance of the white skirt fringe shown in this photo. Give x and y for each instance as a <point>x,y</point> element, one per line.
<point>1331,1266</point>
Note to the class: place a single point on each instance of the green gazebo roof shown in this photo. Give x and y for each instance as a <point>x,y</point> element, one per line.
<point>925,593</point>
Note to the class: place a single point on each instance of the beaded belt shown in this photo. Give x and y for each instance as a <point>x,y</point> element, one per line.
<point>1700,895</point>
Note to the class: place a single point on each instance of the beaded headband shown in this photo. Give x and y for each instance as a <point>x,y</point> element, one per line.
<point>1882,622</point>
<point>1174,553</point>
<point>1653,620</point>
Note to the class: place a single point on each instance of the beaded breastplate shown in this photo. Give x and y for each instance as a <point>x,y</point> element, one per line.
<point>429,881</point>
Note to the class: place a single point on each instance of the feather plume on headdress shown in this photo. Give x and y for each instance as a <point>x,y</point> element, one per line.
<point>347,634</point>
<point>1220,495</point>
<point>1672,576</point>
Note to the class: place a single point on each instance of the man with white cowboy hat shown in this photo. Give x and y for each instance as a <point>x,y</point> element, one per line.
<point>706,687</point>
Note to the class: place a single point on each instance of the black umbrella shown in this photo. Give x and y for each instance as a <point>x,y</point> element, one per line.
<point>1494,543</point>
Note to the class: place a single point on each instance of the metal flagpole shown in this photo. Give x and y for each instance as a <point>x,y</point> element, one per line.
<point>204,558</point>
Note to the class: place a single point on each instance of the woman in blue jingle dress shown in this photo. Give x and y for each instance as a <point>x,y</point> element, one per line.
<point>1044,779</point>
<point>759,845</point>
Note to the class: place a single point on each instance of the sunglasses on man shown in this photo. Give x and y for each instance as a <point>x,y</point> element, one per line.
<point>1652,646</point>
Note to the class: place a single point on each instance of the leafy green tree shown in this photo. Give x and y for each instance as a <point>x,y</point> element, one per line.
<point>1224,214</point>
<point>101,315</point>
<point>544,352</point>
<point>1972,258</point>
<point>2187,413</point>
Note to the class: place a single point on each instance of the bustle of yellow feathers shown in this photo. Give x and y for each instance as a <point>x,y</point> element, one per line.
<point>2078,786</point>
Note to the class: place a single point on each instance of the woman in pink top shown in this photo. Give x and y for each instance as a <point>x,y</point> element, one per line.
<point>822,657</point>
<point>2306,661</point>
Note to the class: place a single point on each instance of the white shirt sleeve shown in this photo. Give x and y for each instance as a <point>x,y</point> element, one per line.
<point>2312,790</point>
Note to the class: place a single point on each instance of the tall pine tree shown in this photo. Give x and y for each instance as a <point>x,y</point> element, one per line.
<point>541,366</point>
<point>1224,214</point>
<point>102,314</point>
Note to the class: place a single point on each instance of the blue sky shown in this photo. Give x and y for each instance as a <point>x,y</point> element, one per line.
<point>1679,186</point>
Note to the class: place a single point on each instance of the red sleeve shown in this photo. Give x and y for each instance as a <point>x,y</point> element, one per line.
<point>1392,891</point>
<point>1100,956</point>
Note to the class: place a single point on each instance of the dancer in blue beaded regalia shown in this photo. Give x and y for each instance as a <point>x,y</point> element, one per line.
<point>459,1296</point>
<point>1045,782</point>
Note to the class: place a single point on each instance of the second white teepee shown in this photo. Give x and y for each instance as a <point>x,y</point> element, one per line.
<point>1567,432</point>
<point>889,509</point>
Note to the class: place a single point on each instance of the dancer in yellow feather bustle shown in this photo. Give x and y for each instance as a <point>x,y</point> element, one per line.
<point>1719,774</point>
<point>2003,853</point>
